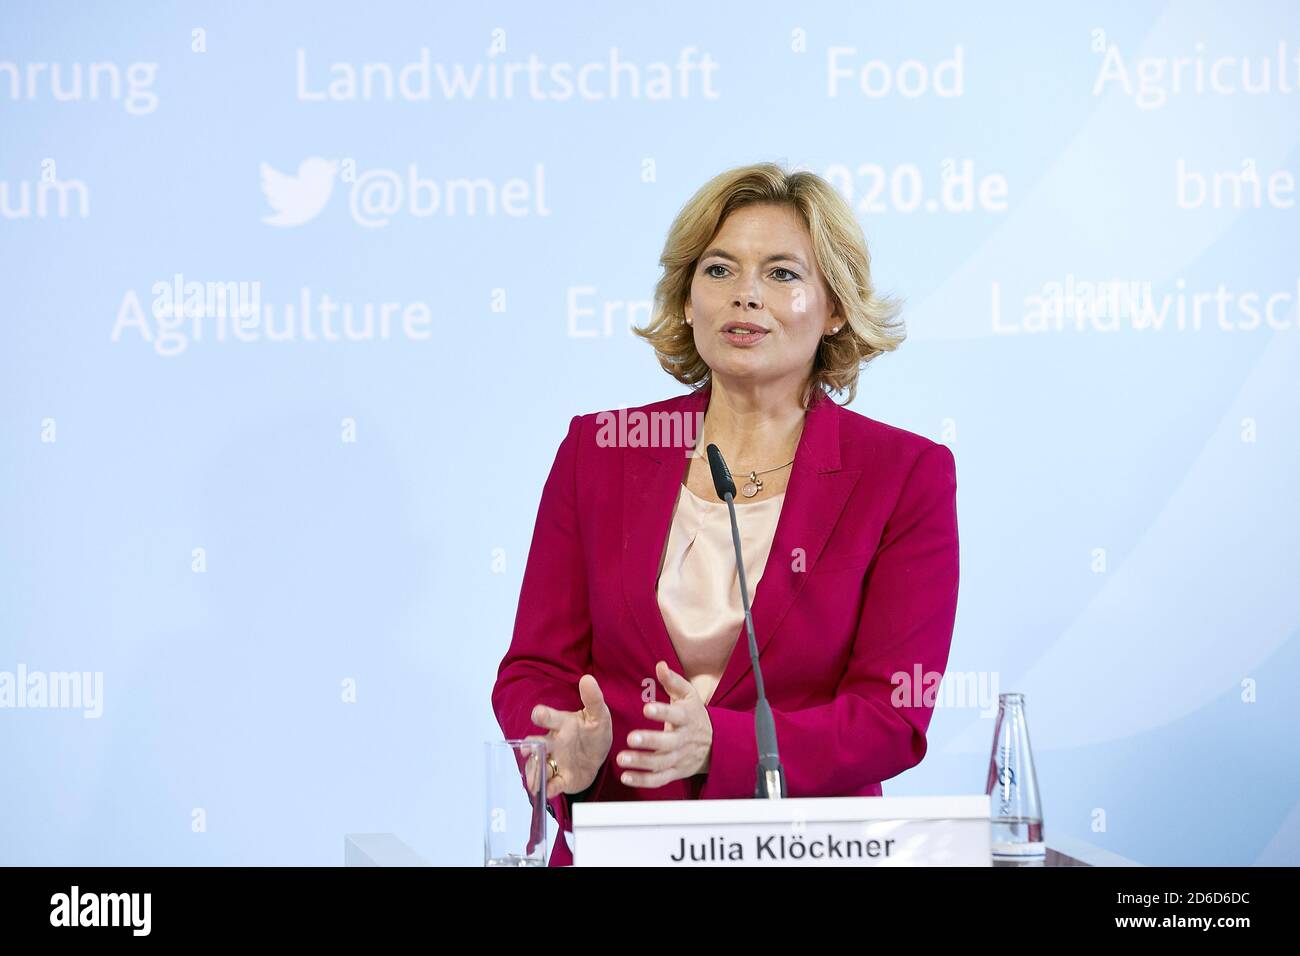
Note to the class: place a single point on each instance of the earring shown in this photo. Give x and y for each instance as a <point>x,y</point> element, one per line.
<point>688,321</point>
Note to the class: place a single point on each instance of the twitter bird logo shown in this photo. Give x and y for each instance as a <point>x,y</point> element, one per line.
<point>298,199</point>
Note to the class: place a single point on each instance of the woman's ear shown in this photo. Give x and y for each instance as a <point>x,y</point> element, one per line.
<point>834,321</point>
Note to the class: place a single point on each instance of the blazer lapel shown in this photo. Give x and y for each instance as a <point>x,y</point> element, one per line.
<point>814,498</point>
<point>652,479</point>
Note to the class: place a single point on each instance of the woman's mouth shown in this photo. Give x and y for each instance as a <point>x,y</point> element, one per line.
<point>743,333</point>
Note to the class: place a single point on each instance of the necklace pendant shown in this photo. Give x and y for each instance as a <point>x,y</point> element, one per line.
<point>753,486</point>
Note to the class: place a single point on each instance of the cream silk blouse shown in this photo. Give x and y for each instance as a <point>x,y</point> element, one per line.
<point>698,586</point>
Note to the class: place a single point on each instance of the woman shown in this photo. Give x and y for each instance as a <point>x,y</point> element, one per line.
<point>629,647</point>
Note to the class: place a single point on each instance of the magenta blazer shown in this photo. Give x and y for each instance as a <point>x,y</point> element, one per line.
<point>853,614</point>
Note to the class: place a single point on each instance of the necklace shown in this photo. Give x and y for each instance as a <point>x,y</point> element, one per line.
<point>755,484</point>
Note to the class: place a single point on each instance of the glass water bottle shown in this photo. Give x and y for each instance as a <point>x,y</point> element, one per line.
<point>1016,811</point>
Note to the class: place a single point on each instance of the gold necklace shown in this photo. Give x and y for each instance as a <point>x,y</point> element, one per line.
<point>755,484</point>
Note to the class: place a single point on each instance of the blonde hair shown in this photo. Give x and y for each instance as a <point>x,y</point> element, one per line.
<point>870,324</point>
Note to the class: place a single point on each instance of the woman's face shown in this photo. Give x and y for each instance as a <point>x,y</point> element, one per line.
<point>759,273</point>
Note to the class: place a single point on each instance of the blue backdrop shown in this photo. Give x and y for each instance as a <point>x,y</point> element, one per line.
<point>280,539</point>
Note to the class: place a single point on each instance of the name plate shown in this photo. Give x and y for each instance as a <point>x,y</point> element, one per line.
<point>801,831</point>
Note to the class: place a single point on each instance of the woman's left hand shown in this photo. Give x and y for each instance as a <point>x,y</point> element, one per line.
<point>682,749</point>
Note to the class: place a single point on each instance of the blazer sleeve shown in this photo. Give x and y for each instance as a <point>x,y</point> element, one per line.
<point>864,735</point>
<point>551,645</point>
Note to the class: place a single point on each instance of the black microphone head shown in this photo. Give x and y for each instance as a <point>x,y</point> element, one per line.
<point>722,481</point>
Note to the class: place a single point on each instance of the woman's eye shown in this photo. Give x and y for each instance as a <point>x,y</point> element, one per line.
<point>708,271</point>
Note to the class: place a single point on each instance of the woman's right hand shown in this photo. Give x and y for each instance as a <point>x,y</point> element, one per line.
<point>577,740</point>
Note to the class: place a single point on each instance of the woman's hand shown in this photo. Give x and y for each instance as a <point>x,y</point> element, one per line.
<point>577,740</point>
<point>682,749</point>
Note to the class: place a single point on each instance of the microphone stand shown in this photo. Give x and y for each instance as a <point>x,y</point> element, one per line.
<point>771,775</point>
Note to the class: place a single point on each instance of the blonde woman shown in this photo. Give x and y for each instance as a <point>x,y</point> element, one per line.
<point>629,654</point>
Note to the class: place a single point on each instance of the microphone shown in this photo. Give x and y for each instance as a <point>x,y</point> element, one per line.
<point>723,483</point>
<point>771,776</point>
